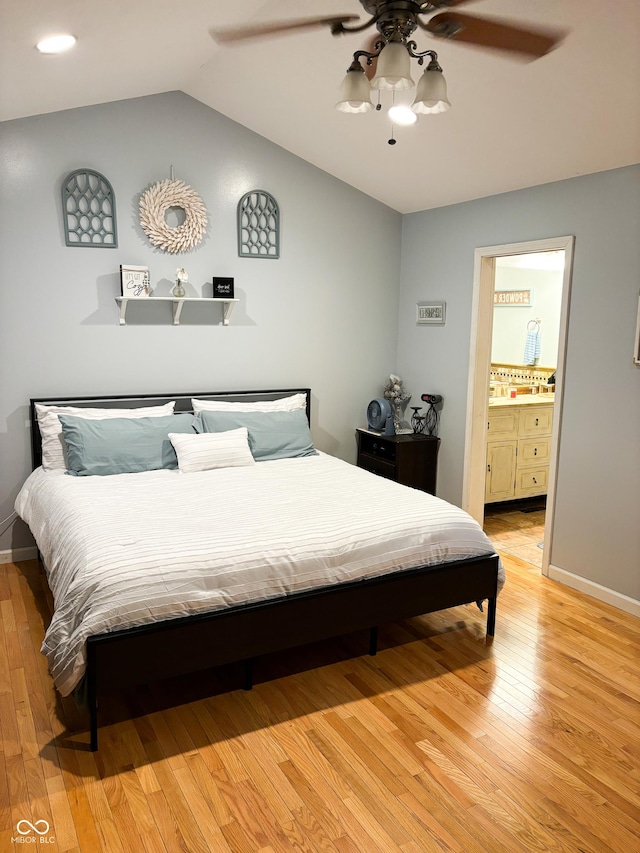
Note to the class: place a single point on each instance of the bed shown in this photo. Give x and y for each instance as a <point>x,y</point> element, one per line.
<point>159,573</point>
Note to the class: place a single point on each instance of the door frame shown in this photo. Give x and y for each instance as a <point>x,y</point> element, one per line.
<point>475,451</point>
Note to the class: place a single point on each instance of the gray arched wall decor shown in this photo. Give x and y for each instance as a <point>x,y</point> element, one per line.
<point>89,210</point>
<point>258,225</point>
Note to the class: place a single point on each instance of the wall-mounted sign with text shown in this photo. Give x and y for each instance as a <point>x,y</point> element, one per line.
<point>513,298</point>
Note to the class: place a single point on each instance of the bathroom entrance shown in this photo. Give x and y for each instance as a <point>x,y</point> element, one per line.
<point>515,393</point>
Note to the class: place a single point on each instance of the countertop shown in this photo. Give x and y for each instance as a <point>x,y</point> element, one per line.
<point>523,400</point>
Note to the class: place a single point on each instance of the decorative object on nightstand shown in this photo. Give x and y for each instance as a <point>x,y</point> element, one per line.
<point>410,460</point>
<point>258,225</point>
<point>89,210</point>
<point>154,204</point>
<point>417,421</point>
<point>178,289</point>
<point>398,397</point>
<point>432,417</point>
<point>134,281</point>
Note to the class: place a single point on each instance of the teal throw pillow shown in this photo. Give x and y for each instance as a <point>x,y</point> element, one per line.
<point>121,445</point>
<point>272,435</point>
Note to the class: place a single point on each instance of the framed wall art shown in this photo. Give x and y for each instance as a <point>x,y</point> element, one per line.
<point>89,210</point>
<point>430,313</point>
<point>134,281</point>
<point>222,288</point>
<point>258,225</point>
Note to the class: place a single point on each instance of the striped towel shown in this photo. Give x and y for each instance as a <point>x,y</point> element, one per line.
<point>532,347</point>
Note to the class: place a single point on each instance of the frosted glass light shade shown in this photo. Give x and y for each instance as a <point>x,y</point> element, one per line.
<point>393,71</point>
<point>355,93</point>
<point>431,94</point>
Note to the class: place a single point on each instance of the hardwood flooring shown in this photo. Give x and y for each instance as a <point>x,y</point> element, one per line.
<point>516,528</point>
<point>442,742</point>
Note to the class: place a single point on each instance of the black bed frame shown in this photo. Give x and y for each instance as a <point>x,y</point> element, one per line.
<point>122,659</point>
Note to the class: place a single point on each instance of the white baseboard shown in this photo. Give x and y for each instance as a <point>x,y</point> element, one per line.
<point>595,590</point>
<point>18,554</point>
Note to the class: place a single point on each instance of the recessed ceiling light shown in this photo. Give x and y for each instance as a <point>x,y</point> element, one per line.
<point>56,44</point>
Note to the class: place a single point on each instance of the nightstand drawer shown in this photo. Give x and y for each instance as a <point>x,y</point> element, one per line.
<point>373,445</point>
<point>377,466</point>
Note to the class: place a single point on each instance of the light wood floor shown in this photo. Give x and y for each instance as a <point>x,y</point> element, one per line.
<point>516,528</point>
<point>442,742</point>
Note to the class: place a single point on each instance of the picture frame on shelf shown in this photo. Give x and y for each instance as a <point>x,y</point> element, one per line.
<point>222,288</point>
<point>430,313</point>
<point>134,281</point>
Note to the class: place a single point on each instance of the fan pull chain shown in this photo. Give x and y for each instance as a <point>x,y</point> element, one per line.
<point>392,140</point>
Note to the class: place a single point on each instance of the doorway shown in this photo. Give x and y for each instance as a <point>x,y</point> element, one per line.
<point>484,286</point>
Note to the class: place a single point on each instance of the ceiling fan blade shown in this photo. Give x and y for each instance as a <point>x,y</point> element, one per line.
<point>236,34</point>
<point>493,34</point>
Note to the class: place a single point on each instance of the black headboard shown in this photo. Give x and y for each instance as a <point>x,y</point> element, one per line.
<point>131,401</point>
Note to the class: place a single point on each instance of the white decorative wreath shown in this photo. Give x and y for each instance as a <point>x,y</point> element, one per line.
<point>155,202</point>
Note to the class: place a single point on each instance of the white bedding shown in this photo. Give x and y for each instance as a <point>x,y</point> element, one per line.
<point>130,549</point>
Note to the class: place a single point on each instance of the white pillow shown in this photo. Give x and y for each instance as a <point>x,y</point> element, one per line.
<point>209,450</point>
<point>54,452</point>
<point>284,404</point>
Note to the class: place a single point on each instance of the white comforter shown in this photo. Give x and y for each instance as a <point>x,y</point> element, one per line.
<point>131,549</point>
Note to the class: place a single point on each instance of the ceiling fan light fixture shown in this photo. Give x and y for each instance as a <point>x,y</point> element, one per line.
<point>355,92</point>
<point>393,71</point>
<point>431,92</point>
<point>56,43</point>
<point>402,115</point>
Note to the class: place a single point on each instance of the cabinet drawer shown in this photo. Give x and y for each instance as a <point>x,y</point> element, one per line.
<point>534,451</point>
<point>531,481</point>
<point>377,466</point>
<point>536,421</point>
<point>372,445</point>
<point>503,424</point>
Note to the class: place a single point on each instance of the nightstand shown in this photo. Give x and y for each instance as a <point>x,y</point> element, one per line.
<point>411,460</point>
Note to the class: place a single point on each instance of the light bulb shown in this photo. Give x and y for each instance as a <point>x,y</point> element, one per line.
<point>402,115</point>
<point>56,44</point>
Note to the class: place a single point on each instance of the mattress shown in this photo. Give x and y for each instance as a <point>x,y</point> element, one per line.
<point>132,549</point>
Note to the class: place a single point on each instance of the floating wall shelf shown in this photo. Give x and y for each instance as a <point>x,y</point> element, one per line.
<point>178,303</point>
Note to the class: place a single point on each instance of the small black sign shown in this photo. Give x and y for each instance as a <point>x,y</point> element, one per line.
<point>222,288</point>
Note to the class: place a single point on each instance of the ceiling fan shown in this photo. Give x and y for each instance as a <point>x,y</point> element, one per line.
<point>389,51</point>
<point>397,20</point>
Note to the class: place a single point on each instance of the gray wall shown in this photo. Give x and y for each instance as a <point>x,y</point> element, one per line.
<point>596,533</point>
<point>306,319</point>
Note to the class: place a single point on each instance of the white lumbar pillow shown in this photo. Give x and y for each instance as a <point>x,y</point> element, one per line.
<point>209,450</point>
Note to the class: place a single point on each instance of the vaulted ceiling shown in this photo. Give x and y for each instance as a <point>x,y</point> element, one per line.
<point>512,124</point>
